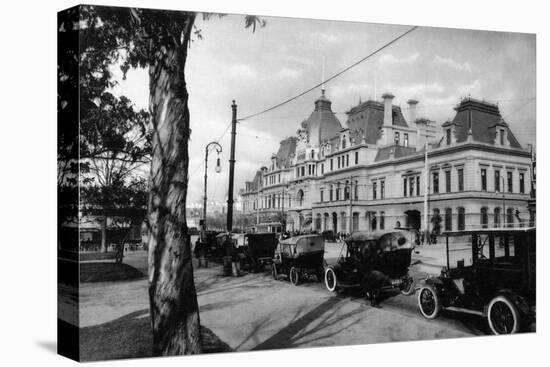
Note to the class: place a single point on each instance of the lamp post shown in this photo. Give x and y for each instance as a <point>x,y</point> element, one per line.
<point>218,169</point>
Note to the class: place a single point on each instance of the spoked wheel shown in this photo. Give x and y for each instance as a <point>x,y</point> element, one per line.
<point>274,271</point>
<point>294,276</point>
<point>428,302</point>
<point>503,316</point>
<point>330,279</point>
<point>408,287</point>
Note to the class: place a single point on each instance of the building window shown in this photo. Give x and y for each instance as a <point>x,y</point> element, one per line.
<point>436,182</point>
<point>346,191</point>
<point>356,157</point>
<point>321,196</point>
<point>497,181</point>
<point>483,179</point>
<point>396,138</point>
<point>461,222</point>
<point>510,177</point>
<point>406,139</point>
<point>347,160</point>
<point>501,136</point>
<point>337,192</point>
<point>303,173</point>
<point>373,221</point>
<point>300,197</point>
<point>484,217</point>
<point>356,191</point>
<point>382,189</point>
<point>338,165</point>
<point>417,185</point>
<point>496,217</point>
<point>522,183</point>
<point>411,186</point>
<point>322,168</point>
<point>344,221</point>
<point>374,190</point>
<point>447,181</point>
<point>509,217</point>
<point>448,136</point>
<point>344,142</point>
<point>355,222</point>
<point>331,165</point>
<point>448,219</point>
<point>382,220</point>
<point>330,193</point>
<point>460,174</point>
<point>405,186</point>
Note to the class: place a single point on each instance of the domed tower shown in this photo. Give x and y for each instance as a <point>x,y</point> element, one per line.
<point>322,124</point>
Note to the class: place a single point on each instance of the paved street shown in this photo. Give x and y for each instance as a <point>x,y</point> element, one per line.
<point>254,311</point>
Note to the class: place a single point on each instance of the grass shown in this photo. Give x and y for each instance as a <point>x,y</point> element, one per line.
<point>88,256</point>
<point>131,337</point>
<point>108,272</point>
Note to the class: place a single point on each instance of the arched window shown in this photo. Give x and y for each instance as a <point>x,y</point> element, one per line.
<point>373,221</point>
<point>509,217</point>
<point>346,191</point>
<point>461,219</point>
<point>484,218</point>
<point>355,222</point>
<point>344,142</point>
<point>496,217</point>
<point>300,197</point>
<point>344,221</point>
<point>330,197</point>
<point>337,191</point>
<point>382,220</point>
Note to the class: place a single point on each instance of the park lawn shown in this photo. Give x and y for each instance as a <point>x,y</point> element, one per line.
<point>108,272</point>
<point>131,337</point>
<point>90,256</point>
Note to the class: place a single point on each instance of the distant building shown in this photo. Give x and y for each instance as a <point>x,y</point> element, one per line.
<point>369,174</point>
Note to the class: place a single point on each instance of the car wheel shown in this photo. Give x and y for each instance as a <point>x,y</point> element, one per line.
<point>408,288</point>
<point>429,302</point>
<point>503,316</point>
<point>294,276</point>
<point>274,271</point>
<point>330,279</point>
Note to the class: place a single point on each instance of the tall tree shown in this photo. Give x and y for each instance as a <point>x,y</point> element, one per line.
<point>159,40</point>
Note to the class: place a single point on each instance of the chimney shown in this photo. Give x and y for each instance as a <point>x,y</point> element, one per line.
<point>388,118</point>
<point>412,110</point>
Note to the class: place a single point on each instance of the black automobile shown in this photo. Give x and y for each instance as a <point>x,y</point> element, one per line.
<point>494,277</point>
<point>207,245</point>
<point>375,262</point>
<point>256,250</point>
<point>300,257</point>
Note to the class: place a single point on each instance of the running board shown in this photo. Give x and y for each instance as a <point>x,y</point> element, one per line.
<point>465,310</point>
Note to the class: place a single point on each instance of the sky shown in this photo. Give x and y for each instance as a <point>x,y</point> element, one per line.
<point>436,66</point>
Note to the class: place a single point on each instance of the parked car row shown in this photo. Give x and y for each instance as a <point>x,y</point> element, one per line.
<point>498,284</point>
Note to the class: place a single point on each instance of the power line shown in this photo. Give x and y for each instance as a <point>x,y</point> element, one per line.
<point>331,78</point>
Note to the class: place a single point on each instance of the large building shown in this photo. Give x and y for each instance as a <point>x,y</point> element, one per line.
<point>370,174</point>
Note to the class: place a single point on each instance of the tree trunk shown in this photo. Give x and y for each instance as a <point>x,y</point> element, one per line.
<point>104,234</point>
<point>172,295</point>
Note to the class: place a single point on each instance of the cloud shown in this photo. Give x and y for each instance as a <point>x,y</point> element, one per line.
<point>389,59</point>
<point>418,90</point>
<point>472,88</point>
<point>325,37</point>
<point>288,73</point>
<point>440,60</point>
<point>242,71</point>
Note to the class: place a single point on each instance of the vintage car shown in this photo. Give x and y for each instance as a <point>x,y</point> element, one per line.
<point>256,250</point>
<point>498,283</point>
<point>375,261</point>
<point>300,257</point>
<point>207,245</point>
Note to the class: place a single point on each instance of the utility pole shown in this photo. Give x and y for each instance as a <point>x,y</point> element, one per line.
<point>258,203</point>
<point>426,186</point>
<point>283,221</point>
<point>231,169</point>
<point>350,203</point>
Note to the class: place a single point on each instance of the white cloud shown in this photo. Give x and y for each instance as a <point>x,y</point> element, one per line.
<point>471,89</point>
<point>418,90</point>
<point>242,71</point>
<point>389,59</point>
<point>325,37</point>
<point>288,73</point>
<point>465,66</point>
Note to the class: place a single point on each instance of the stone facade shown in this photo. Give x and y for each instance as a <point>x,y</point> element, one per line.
<point>370,174</point>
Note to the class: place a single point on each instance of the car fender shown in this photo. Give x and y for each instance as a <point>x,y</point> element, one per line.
<point>520,302</point>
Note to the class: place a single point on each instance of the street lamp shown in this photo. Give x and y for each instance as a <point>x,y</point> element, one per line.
<point>218,169</point>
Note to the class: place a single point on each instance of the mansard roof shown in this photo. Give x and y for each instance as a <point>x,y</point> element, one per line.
<point>365,120</point>
<point>482,118</point>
